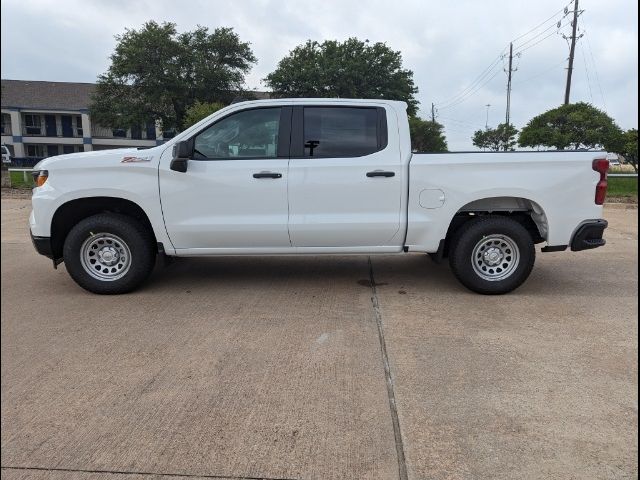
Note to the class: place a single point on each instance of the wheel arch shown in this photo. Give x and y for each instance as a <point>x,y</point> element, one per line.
<point>70,213</point>
<point>527,212</point>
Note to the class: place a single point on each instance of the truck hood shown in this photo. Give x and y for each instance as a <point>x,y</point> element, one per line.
<point>100,157</point>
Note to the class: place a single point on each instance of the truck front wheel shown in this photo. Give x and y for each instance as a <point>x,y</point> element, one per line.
<point>492,254</point>
<point>109,253</point>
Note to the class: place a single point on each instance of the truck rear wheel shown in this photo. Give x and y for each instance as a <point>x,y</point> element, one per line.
<point>492,254</point>
<point>109,253</point>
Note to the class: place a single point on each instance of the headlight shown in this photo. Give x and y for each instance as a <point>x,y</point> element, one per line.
<point>40,177</point>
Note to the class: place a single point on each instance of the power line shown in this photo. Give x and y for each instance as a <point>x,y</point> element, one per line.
<point>554,25</point>
<point>488,73</point>
<point>561,62</point>
<point>586,69</point>
<point>595,66</point>
<point>476,90</point>
<point>466,133</point>
<point>480,77</point>
<point>461,122</point>
<point>539,25</point>
<point>539,41</point>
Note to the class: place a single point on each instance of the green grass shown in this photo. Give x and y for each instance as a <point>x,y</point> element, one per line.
<point>17,180</point>
<point>625,187</point>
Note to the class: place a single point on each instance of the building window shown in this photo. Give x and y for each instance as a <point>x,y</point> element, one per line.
<point>78,126</point>
<point>6,124</point>
<point>120,132</point>
<point>72,148</point>
<point>33,124</point>
<point>53,150</point>
<point>136,132</point>
<point>35,150</point>
<point>151,130</point>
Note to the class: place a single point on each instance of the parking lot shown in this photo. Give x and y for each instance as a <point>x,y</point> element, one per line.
<point>321,368</point>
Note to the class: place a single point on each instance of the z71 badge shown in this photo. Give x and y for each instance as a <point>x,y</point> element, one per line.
<point>135,159</point>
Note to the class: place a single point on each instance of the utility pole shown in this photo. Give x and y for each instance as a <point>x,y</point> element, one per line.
<point>433,112</point>
<point>572,52</point>
<point>509,82</point>
<point>486,123</point>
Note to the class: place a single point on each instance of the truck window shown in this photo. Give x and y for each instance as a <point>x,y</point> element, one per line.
<point>246,134</point>
<point>340,131</point>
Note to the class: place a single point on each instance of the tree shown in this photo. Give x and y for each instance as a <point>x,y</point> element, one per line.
<point>572,126</point>
<point>351,69</point>
<point>426,136</point>
<point>199,111</point>
<point>626,144</point>
<point>503,137</point>
<point>156,73</point>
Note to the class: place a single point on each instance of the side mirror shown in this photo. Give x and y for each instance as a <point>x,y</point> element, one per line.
<point>179,164</point>
<point>181,153</point>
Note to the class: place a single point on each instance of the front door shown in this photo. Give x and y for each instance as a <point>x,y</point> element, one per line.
<point>234,192</point>
<point>345,178</point>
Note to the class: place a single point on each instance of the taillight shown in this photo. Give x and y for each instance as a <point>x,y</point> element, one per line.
<point>601,165</point>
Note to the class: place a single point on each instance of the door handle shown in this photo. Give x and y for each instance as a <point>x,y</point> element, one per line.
<point>267,175</point>
<point>380,173</point>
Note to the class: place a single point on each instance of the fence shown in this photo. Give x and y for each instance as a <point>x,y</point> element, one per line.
<point>24,162</point>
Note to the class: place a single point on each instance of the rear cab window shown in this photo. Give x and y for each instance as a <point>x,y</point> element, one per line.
<point>337,132</point>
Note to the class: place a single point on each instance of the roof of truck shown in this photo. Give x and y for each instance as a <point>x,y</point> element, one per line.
<point>328,101</point>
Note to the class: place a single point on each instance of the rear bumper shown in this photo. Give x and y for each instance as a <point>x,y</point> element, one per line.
<point>589,235</point>
<point>42,245</point>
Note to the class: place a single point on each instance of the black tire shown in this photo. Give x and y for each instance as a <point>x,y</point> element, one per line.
<point>469,245</point>
<point>135,237</point>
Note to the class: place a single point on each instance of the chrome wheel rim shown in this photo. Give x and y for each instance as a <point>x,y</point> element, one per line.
<point>495,257</point>
<point>105,256</point>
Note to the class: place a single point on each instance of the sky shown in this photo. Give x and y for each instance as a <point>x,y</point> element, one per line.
<point>455,49</point>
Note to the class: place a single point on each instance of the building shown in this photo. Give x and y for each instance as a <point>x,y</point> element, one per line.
<point>41,119</point>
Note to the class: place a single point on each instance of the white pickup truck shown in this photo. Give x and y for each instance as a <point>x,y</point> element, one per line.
<point>311,177</point>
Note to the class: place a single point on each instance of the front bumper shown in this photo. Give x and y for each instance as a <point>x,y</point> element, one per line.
<point>42,245</point>
<point>589,235</point>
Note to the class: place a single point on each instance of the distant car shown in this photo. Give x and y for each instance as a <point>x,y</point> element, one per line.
<point>6,154</point>
<point>614,160</point>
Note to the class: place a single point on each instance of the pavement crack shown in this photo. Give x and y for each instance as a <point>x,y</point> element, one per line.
<point>402,465</point>
<point>131,473</point>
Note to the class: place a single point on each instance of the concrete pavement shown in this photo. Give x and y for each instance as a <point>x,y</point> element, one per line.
<point>274,368</point>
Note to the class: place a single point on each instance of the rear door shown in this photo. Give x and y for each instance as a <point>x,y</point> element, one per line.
<point>345,177</point>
